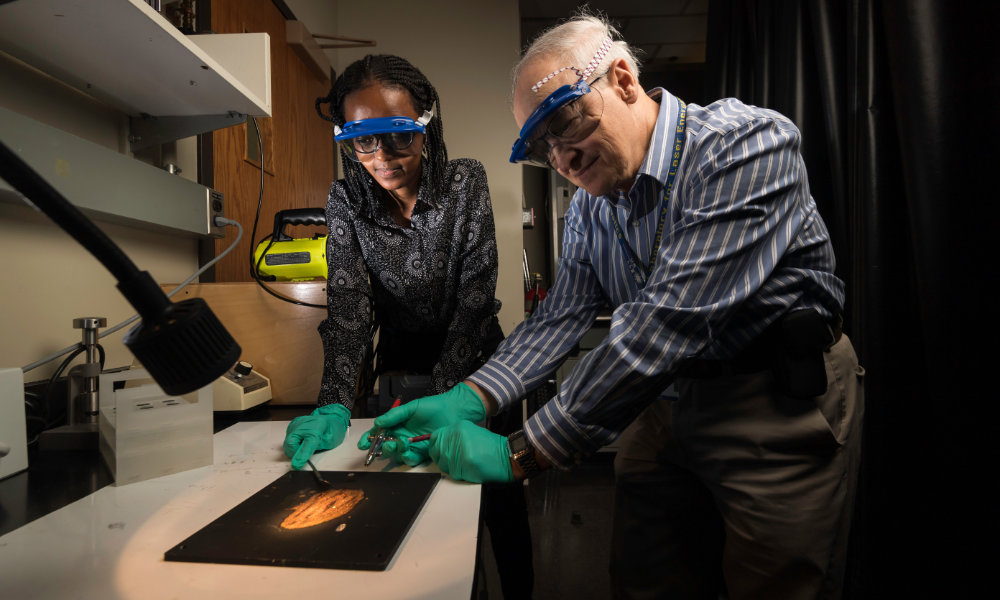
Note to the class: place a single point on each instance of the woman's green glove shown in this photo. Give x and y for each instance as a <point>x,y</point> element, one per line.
<point>422,416</point>
<point>324,429</point>
<point>469,452</point>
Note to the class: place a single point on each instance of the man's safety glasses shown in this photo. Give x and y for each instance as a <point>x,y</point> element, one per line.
<point>568,115</point>
<point>394,134</point>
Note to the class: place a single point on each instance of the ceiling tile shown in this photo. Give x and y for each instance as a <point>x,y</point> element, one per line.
<point>665,29</point>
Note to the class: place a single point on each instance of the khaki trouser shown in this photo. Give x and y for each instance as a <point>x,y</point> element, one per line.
<point>737,489</point>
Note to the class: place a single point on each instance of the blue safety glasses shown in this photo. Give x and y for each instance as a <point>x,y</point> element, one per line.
<point>394,134</point>
<point>567,115</point>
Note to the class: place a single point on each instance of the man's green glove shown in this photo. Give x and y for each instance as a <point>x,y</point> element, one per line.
<point>422,416</point>
<point>469,452</point>
<point>324,429</point>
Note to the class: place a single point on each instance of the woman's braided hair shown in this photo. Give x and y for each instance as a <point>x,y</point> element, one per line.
<point>390,71</point>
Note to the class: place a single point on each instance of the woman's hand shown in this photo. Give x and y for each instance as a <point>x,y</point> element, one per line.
<point>324,429</point>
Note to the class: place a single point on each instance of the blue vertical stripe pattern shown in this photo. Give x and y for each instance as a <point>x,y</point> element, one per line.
<point>743,245</point>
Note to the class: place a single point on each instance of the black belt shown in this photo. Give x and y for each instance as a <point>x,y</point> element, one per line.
<point>796,334</point>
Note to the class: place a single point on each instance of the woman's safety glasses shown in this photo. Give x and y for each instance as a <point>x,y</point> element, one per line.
<point>394,134</point>
<point>566,116</point>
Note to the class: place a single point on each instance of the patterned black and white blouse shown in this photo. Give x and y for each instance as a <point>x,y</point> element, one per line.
<point>435,279</point>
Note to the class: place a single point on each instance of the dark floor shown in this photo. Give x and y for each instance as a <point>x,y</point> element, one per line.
<point>570,517</point>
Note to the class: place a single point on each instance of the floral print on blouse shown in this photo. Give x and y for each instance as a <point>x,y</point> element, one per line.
<point>436,277</point>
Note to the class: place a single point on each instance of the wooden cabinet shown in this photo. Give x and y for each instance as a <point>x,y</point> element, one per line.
<point>278,338</point>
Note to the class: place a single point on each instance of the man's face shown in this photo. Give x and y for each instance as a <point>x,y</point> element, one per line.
<point>599,163</point>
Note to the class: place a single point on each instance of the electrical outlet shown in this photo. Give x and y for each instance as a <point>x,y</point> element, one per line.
<point>528,218</point>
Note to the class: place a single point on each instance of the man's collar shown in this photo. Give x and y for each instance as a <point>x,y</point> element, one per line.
<point>656,164</point>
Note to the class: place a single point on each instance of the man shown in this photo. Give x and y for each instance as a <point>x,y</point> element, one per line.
<point>696,224</point>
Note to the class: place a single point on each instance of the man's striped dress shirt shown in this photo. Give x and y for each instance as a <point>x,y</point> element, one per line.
<point>742,244</point>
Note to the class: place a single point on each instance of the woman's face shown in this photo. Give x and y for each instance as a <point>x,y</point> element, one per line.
<point>396,171</point>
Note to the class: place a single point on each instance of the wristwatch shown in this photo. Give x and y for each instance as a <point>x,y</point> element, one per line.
<point>521,452</point>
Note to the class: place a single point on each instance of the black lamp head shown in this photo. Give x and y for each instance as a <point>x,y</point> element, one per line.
<point>186,349</point>
<point>182,345</point>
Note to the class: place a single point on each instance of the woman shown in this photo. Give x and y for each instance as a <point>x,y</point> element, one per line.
<point>411,233</point>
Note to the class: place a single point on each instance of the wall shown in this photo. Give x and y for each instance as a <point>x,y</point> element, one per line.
<point>467,50</point>
<point>48,278</point>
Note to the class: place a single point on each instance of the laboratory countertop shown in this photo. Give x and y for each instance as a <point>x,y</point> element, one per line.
<point>59,477</point>
<point>110,542</point>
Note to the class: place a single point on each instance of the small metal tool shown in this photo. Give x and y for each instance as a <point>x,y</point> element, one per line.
<point>376,447</point>
<point>319,478</point>
<point>378,439</point>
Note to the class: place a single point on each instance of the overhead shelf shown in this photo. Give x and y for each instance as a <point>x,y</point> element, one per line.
<point>127,55</point>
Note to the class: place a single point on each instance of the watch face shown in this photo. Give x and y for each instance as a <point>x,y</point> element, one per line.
<point>518,443</point>
<point>522,453</point>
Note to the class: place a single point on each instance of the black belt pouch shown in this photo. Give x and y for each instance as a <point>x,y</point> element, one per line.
<point>799,370</point>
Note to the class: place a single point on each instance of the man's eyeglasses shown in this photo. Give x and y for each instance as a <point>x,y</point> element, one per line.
<point>394,134</point>
<point>566,116</point>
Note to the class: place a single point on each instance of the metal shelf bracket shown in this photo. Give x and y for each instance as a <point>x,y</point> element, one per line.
<point>146,130</point>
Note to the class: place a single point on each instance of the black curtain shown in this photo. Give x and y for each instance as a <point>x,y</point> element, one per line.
<point>898,104</point>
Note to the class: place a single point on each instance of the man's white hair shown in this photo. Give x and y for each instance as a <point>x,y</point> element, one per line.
<point>576,42</point>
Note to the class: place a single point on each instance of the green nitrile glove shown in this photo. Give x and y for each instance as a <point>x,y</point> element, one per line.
<point>422,416</point>
<point>469,452</point>
<point>324,429</point>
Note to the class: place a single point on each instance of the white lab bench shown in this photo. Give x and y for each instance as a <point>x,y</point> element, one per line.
<point>110,544</point>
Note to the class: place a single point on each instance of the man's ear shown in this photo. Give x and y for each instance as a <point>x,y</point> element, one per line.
<point>625,83</point>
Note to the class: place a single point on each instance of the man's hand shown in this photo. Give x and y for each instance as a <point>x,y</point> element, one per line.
<point>422,416</point>
<point>324,429</point>
<point>469,452</point>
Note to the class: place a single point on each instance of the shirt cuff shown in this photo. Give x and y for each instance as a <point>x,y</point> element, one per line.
<point>500,382</point>
<point>557,437</point>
